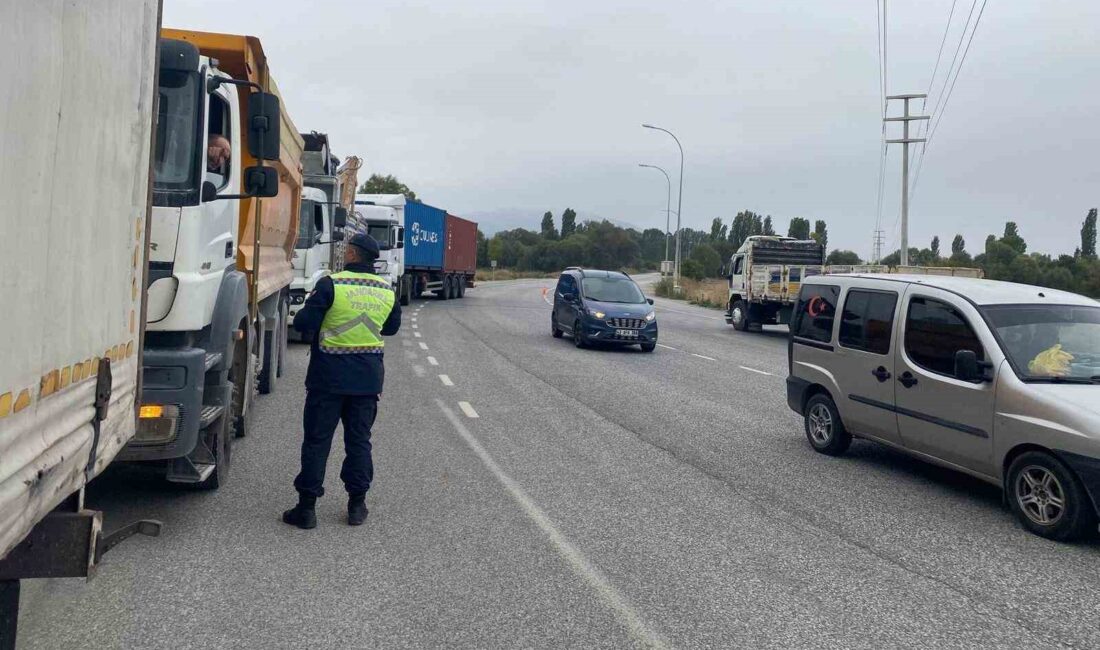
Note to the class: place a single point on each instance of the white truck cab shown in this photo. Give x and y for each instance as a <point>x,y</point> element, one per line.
<point>382,216</point>
<point>319,229</point>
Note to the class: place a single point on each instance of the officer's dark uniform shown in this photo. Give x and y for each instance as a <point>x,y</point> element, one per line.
<point>344,379</point>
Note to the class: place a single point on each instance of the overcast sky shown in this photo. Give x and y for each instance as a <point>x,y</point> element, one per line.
<point>505,109</point>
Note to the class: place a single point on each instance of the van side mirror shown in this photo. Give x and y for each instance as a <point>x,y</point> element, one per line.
<point>261,182</point>
<point>649,300</point>
<point>264,125</point>
<point>966,366</point>
<point>340,217</point>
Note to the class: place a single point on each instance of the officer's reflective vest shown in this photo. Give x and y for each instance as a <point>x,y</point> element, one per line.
<point>360,305</point>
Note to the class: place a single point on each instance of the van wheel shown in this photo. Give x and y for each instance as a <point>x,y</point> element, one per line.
<point>578,336</point>
<point>649,347</point>
<point>739,315</point>
<point>554,331</point>
<point>1048,499</point>
<point>824,429</point>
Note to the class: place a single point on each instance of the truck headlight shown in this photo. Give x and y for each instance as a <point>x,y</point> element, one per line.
<point>381,266</point>
<point>651,316</point>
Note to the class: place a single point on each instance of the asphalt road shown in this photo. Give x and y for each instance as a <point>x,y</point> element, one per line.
<point>530,494</point>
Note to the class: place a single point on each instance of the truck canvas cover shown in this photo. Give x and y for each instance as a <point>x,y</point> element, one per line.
<point>78,111</point>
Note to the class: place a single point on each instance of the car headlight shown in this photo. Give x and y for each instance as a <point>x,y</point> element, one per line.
<point>651,316</point>
<point>598,314</point>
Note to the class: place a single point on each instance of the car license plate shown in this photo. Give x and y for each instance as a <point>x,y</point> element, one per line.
<point>627,334</point>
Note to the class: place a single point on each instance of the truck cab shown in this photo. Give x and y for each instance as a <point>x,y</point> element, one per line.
<point>320,228</point>
<point>382,216</point>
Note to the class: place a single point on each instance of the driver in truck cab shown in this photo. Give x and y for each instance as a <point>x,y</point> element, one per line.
<point>218,153</point>
<point>345,317</point>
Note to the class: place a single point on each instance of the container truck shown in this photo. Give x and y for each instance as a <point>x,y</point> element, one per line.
<point>766,273</point>
<point>428,249</point>
<point>222,235</point>
<point>77,110</point>
<point>319,249</point>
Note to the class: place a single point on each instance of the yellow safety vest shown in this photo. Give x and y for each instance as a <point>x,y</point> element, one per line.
<point>360,305</point>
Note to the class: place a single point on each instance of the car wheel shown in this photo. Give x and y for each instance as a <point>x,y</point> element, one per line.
<point>578,335</point>
<point>554,331</point>
<point>1048,499</point>
<point>824,429</point>
<point>739,315</point>
<point>649,347</point>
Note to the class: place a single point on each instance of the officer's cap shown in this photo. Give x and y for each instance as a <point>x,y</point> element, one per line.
<point>365,243</point>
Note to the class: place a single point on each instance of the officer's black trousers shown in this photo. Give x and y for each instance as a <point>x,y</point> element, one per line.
<point>323,411</point>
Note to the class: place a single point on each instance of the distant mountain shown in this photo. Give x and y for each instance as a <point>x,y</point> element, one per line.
<point>493,221</point>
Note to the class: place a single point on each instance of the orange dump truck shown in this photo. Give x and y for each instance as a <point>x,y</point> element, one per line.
<point>227,184</point>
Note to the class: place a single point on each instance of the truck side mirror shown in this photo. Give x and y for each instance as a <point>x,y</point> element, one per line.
<point>966,366</point>
<point>340,217</point>
<point>261,182</point>
<point>209,192</point>
<point>401,237</point>
<point>264,125</point>
<point>338,235</point>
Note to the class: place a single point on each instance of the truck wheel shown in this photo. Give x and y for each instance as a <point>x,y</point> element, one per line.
<point>445,289</point>
<point>219,439</point>
<point>238,377</point>
<point>461,286</point>
<point>1048,499</point>
<point>266,380</point>
<point>739,315</point>
<point>404,287</point>
<point>824,429</point>
<point>284,337</point>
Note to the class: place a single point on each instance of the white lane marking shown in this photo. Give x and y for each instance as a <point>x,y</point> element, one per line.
<point>423,345</point>
<point>702,357</point>
<point>415,326</point>
<point>416,334</point>
<point>688,313</point>
<point>667,347</point>
<point>419,370</point>
<point>545,290</point>
<point>446,380</point>
<point>406,343</point>
<point>414,319</point>
<point>468,410</point>
<point>759,372</point>
<point>581,565</point>
<point>432,361</point>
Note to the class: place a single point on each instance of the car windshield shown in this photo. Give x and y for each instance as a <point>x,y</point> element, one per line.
<point>612,290</point>
<point>1050,342</point>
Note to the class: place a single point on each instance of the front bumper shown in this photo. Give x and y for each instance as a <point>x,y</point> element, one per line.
<point>171,377</point>
<point>598,331</point>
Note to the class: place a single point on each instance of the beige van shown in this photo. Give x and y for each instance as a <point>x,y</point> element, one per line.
<point>998,380</point>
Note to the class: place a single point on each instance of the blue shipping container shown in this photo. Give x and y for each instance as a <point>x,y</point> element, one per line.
<point>424,236</point>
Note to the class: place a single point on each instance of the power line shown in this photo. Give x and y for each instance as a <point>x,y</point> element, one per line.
<point>923,126</point>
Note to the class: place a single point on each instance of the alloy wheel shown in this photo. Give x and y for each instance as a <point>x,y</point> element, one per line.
<point>1040,495</point>
<point>821,424</point>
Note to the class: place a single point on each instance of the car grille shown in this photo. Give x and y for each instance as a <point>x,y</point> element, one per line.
<point>626,323</point>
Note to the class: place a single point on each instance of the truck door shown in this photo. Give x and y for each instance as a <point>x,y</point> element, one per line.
<point>938,414</point>
<point>219,224</point>
<point>737,275</point>
<point>864,362</point>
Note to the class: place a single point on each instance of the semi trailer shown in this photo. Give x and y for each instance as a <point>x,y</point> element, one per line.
<point>222,235</point>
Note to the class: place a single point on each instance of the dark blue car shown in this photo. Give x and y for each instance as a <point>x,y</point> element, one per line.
<point>602,307</point>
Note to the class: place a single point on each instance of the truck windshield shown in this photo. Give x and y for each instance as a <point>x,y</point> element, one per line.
<point>612,290</point>
<point>380,232</point>
<point>307,230</point>
<point>1050,342</point>
<point>176,161</point>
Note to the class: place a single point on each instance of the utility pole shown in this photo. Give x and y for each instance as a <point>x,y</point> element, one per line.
<point>876,247</point>
<point>904,142</point>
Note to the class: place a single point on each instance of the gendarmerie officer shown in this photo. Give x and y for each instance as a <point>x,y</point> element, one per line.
<point>346,317</point>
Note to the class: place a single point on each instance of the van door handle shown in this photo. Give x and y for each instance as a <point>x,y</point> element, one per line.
<point>881,373</point>
<point>907,379</point>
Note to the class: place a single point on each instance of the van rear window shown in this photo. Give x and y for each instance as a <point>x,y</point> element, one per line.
<point>815,312</point>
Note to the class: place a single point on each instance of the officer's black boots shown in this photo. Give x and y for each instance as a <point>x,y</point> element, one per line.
<point>302,515</point>
<point>357,509</point>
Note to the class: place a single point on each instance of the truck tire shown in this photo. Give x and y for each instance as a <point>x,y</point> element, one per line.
<point>265,381</point>
<point>219,438</point>
<point>404,290</point>
<point>461,286</point>
<point>444,289</point>
<point>739,315</point>
<point>238,377</point>
<point>284,336</point>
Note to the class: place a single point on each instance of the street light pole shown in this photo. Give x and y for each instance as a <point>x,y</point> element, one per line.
<point>679,204</point>
<point>668,204</point>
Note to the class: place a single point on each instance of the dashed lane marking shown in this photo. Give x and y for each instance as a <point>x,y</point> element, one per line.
<point>759,372</point>
<point>635,625</point>
<point>419,370</point>
<point>415,326</point>
<point>416,334</point>
<point>423,345</point>
<point>468,410</point>
<point>432,361</point>
<point>703,357</point>
<point>446,380</point>
<point>667,347</point>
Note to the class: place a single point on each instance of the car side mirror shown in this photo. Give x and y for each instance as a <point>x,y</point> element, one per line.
<point>649,300</point>
<point>966,366</point>
<point>340,217</point>
<point>264,126</point>
<point>261,182</point>
<point>209,192</point>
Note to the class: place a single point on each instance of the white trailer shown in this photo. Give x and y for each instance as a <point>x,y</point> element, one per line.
<point>76,114</point>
